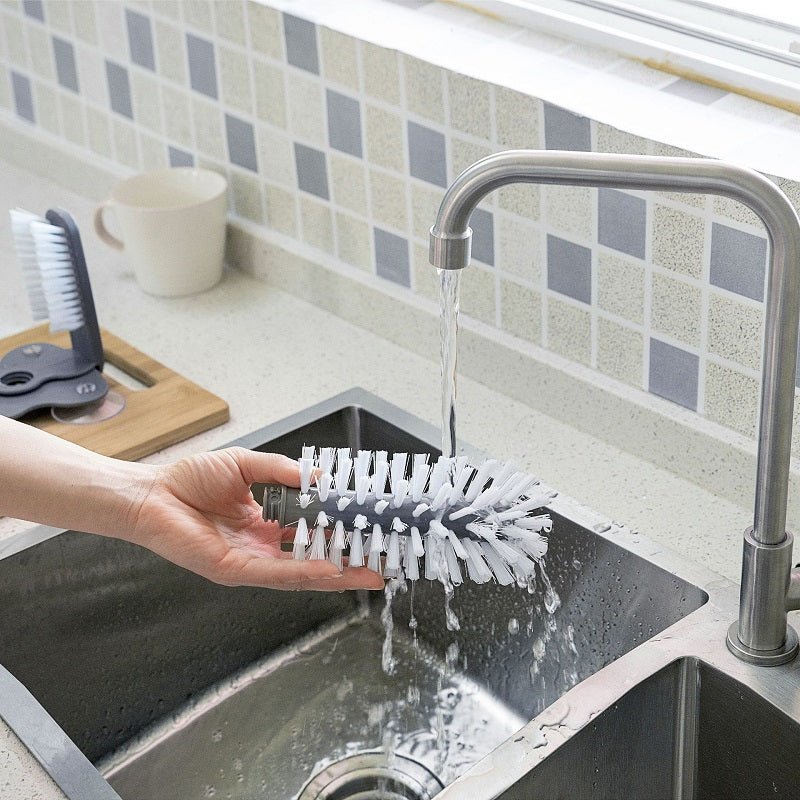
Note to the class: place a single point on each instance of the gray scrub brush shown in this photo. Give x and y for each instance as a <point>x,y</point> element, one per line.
<point>40,375</point>
<point>390,513</point>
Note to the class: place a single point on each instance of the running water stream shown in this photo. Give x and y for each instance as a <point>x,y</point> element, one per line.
<point>449,282</point>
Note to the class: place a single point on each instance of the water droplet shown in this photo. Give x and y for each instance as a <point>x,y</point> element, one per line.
<point>513,626</point>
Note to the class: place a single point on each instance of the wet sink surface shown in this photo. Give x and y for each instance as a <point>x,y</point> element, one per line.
<point>176,687</point>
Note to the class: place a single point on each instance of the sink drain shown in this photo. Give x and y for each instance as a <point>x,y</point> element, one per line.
<point>373,776</point>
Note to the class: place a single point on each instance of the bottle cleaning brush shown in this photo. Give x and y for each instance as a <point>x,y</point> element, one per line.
<point>393,512</point>
<point>39,374</point>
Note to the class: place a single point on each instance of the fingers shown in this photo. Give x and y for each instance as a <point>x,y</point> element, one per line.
<point>293,575</point>
<point>266,467</point>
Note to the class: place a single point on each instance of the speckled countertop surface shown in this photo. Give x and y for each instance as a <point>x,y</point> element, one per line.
<point>269,354</point>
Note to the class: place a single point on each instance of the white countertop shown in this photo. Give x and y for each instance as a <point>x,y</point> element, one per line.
<point>269,354</point>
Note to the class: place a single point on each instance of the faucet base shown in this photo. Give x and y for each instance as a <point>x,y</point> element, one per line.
<point>763,658</point>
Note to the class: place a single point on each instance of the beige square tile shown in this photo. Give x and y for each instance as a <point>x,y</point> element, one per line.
<point>388,199</point>
<point>317,224</point>
<point>470,110</point>
<point>731,210</point>
<point>478,294</point>
<point>348,183</point>
<point>111,27</point>
<point>169,8</point>
<point>170,49</point>
<point>147,101</point>
<point>72,119</point>
<point>208,131</point>
<point>177,115</point>
<point>678,240</point>
<point>735,330</point>
<point>353,241</point>
<point>234,72</point>
<point>85,22</point>
<point>125,143</point>
<point>15,40</point>
<point>521,311</point>
<point>424,84</point>
<point>676,309</point>
<point>620,352</point>
<point>98,129</point>
<point>426,278</point>
<point>57,14</point>
<point>381,73</point>
<point>524,200</point>
<point>425,204</point>
<point>41,52</point>
<point>519,248</point>
<point>153,150</point>
<point>306,109</point>
<point>197,13</point>
<point>269,93</point>
<point>385,146</point>
<point>620,286</point>
<point>281,209</point>
<point>46,100</point>
<point>339,58</point>
<point>517,118</point>
<point>276,157</point>
<point>230,20</point>
<point>246,196</point>
<point>266,29</point>
<point>463,154</point>
<point>569,211</point>
<point>614,140</point>
<point>731,398</point>
<point>569,330</point>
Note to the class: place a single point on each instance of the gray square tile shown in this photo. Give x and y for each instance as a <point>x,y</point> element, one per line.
<point>391,257</point>
<point>569,269</point>
<point>622,221</point>
<point>179,158</point>
<point>738,261</point>
<point>33,9</point>
<point>312,170</point>
<point>564,130</point>
<point>691,90</point>
<point>482,224</point>
<point>140,39</point>
<point>344,123</point>
<point>241,142</point>
<point>301,43</point>
<point>119,89</point>
<point>202,66</point>
<point>673,374</point>
<point>66,68</point>
<point>23,98</point>
<point>427,155</point>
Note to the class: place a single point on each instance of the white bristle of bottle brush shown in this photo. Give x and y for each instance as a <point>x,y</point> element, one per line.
<point>453,512</point>
<point>59,283</point>
<point>300,540</point>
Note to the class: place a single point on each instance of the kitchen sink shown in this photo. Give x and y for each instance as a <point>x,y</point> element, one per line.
<point>159,684</point>
<point>687,731</point>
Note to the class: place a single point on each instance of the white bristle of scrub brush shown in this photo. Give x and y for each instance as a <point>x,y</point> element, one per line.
<point>300,540</point>
<point>26,255</point>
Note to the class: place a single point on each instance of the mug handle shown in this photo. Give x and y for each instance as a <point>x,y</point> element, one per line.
<point>101,230</point>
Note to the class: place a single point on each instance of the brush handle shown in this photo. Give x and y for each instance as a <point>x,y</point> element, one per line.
<point>86,339</point>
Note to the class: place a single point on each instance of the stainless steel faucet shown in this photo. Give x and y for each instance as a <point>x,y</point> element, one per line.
<point>769,586</point>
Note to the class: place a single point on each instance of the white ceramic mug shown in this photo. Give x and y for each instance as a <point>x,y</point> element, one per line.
<point>172,227</point>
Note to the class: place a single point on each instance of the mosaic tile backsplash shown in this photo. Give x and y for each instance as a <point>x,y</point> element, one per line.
<point>345,148</point>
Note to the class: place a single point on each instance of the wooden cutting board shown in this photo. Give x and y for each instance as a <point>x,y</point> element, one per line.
<point>167,410</point>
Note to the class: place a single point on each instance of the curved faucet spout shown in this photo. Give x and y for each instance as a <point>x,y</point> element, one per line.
<point>765,574</point>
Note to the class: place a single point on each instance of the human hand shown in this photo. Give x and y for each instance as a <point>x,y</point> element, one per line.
<point>200,514</point>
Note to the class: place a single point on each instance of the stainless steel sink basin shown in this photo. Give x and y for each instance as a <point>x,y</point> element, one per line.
<point>689,730</point>
<point>173,687</point>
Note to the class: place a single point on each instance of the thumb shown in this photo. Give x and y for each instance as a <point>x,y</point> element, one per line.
<point>259,467</point>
